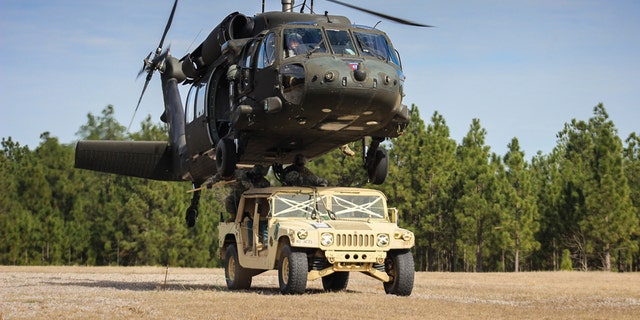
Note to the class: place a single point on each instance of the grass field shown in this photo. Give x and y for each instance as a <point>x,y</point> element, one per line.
<point>143,293</point>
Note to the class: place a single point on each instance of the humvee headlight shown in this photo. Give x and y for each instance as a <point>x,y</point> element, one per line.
<point>383,239</point>
<point>326,239</point>
<point>302,234</point>
<point>407,236</point>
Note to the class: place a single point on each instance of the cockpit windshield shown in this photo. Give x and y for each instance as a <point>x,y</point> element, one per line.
<point>357,41</point>
<point>341,42</point>
<point>375,45</point>
<point>302,41</point>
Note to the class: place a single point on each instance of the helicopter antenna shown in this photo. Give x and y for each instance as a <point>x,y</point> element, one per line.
<point>304,5</point>
<point>262,6</point>
<point>326,14</point>
<point>377,23</point>
<point>194,40</point>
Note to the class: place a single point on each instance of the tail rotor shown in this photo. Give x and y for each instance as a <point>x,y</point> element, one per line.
<point>157,63</point>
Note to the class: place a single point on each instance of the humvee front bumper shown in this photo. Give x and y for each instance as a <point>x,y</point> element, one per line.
<point>352,261</point>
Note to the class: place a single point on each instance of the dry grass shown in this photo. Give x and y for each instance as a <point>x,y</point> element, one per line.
<point>141,293</point>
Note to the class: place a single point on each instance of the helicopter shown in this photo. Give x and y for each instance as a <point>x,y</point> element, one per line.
<point>263,90</point>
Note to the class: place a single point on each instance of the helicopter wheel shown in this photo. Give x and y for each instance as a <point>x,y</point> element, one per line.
<point>379,167</point>
<point>226,157</point>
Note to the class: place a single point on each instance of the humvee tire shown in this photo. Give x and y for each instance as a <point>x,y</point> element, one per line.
<point>238,278</point>
<point>292,271</point>
<point>400,268</point>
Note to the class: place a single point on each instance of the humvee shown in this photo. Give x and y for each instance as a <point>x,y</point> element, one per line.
<point>310,233</point>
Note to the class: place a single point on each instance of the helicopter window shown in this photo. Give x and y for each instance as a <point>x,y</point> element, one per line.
<point>267,51</point>
<point>375,45</point>
<point>200,97</point>
<point>341,42</point>
<point>303,40</point>
<point>245,63</point>
<point>247,55</point>
<point>189,106</point>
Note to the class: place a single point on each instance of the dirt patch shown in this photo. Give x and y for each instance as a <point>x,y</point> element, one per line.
<point>182,293</point>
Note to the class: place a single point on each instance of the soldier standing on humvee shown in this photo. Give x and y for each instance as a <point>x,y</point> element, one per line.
<point>245,180</point>
<point>297,174</point>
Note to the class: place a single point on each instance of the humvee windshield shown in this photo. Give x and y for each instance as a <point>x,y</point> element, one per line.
<point>325,207</point>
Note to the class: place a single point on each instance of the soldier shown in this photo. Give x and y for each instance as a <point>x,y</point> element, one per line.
<point>294,46</point>
<point>245,180</point>
<point>298,175</point>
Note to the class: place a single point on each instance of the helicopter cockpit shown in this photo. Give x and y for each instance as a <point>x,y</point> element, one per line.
<point>302,41</point>
<point>358,41</point>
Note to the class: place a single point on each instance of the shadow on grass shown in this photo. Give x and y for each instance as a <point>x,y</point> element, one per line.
<point>155,286</point>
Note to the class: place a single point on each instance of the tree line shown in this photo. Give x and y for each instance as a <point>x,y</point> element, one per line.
<point>577,208</point>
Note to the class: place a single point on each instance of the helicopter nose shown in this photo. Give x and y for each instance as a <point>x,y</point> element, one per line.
<point>350,94</point>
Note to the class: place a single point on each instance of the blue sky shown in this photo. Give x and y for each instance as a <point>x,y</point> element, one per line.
<point>524,68</point>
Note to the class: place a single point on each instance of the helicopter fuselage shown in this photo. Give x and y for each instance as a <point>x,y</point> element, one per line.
<point>262,90</point>
<point>342,83</point>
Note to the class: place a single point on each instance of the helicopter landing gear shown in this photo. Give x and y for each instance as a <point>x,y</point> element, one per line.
<point>377,162</point>
<point>192,211</point>
<point>226,157</point>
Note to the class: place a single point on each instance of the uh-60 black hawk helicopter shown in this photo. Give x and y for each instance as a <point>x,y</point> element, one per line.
<point>262,90</point>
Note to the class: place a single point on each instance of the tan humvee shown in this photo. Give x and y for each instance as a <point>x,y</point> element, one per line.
<point>310,233</point>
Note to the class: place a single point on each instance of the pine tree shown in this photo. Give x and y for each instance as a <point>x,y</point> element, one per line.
<point>632,172</point>
<point>596,194</point>
<point>476,212</point>
<point>547,179</point>
<point>521,219</point>
<point>104,127</point>
<point>611,219</point>
<point>440,162</point>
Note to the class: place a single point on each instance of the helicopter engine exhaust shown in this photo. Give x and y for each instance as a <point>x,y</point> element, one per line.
<point>234,26</point>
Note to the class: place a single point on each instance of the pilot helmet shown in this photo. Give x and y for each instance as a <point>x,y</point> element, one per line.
<point>294,37</point>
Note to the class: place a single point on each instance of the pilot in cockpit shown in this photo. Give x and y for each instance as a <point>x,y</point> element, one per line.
<point>294,45</point>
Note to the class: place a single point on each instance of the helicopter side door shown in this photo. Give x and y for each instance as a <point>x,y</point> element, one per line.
<point>197,126</point>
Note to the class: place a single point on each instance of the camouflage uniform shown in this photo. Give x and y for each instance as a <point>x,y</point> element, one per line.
<point>245,180</point>
<point>298,175</point>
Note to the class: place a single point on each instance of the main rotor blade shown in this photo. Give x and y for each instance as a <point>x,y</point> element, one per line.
<point>381,15</point>
<point>166,29</point>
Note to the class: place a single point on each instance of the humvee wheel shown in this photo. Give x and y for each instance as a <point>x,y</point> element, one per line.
<point>292,271</point>
<point>336,281</point>
<point>399,266</point>
<point>237,277</point>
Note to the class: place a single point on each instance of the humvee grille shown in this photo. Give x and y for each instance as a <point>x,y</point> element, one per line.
<point>355,240</point>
